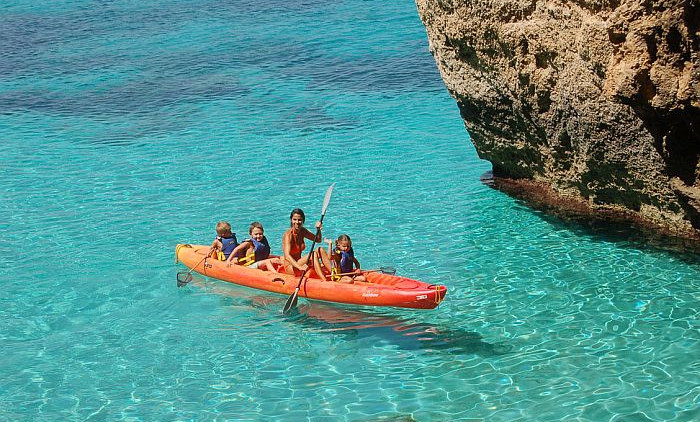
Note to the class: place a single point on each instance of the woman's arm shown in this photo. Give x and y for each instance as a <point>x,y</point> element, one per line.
<point>315,238</point>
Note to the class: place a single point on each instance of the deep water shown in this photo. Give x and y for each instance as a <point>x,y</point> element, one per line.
<point>128,127</point>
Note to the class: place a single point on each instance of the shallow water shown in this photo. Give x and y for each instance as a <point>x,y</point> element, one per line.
<point>127,128</point>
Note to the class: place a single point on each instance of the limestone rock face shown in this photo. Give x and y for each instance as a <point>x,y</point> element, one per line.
<point>597,100</point>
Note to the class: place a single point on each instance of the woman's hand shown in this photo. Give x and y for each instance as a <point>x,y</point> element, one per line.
<point>317,237</point>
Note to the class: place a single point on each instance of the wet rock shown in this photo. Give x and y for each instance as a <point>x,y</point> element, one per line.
<point>598,102</point>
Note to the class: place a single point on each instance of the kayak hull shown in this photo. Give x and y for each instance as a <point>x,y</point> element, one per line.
<point>379,290</point>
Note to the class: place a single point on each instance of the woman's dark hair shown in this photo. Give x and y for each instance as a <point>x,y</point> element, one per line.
<point>298,211</point>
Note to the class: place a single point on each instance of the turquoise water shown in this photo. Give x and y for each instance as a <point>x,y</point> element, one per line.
<point>127,127</point>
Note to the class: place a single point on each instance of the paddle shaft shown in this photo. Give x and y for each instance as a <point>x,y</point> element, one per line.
<point>361,272</point>
<point>192,269</point>
<point>185,281</point>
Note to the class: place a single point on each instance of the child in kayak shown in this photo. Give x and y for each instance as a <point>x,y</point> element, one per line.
<point>254,252</point>
<point>344,267</point>
<point>225,242</point>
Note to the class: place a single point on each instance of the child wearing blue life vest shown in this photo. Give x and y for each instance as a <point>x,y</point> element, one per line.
<point>225,242</point>
<point>345,268</point>
<point>255,251</point>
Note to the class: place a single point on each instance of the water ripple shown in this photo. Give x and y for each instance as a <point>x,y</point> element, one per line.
<point>130,127</point>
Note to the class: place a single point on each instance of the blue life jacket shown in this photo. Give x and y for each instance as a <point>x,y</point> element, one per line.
<point>346,260</point>
<point>262,249</point>
<point>228,244</point>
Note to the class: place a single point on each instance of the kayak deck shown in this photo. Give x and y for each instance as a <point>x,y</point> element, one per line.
<point>379,289</point>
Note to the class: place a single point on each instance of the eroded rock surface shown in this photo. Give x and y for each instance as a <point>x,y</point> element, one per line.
<point>595,101</point>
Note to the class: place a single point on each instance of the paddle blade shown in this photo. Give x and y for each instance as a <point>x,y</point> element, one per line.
<point>291,302</point>
<point>388,270</point>
<point>327,198</point>
<point>183,278</point>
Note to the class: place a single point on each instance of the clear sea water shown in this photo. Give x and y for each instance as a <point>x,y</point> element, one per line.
<point>127,127</point>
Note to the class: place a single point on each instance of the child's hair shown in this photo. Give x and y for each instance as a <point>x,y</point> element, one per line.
<point>298,211</point>
<point>222,228</point>
<point>254,225</point>
<point>343,238</point>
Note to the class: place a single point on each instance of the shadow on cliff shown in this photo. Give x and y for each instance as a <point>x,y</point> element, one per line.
<point>623,230</point>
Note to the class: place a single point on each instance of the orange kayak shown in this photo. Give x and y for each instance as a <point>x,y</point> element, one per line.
<point>379,289</point>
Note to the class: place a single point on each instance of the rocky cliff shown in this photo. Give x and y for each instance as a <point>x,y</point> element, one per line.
<point>587,104</point>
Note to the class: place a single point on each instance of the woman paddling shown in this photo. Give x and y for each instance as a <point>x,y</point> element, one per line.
<point>293,243</point>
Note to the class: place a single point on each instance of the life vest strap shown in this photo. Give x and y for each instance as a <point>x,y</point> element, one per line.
<point>335,273</point>
<point>247,260</point>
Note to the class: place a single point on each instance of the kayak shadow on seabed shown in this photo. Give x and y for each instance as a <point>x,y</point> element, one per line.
<point>404,334</point>
<point>358,324</point>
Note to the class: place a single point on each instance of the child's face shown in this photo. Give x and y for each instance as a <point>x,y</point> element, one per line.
<point>256,234</point>
<point>344,245</point>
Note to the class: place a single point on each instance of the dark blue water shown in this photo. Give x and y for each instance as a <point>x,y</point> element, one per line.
<point>128,127</point>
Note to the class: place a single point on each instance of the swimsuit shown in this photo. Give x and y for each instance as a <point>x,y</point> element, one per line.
<point>296,248</point>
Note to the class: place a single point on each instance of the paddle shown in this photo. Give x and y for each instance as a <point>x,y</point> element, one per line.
<point>183,280</point>
<point>292,301</point>
<point>383,270</point>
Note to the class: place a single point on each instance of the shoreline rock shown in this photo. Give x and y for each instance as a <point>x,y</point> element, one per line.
<point>587,102</point>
